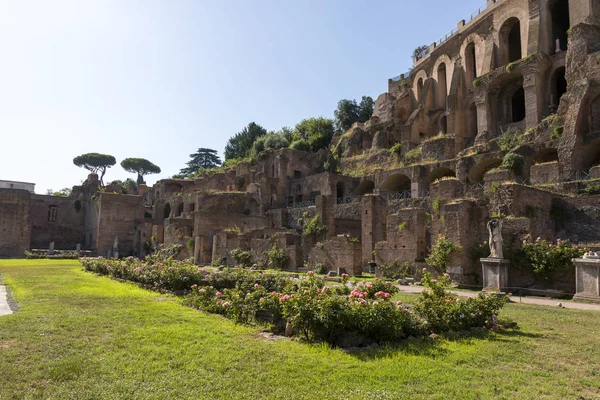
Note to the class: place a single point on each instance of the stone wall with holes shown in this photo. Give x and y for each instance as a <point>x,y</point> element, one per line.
<point>15,222</point>
<point>57,219</point>
<point>338,254</point>
<point>350,227</point>
<point>438,148</point>
<point>447,188</point>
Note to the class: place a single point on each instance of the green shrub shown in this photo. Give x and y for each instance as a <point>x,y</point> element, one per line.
<point>510,67</point>
<point>480,251</point>
<point>396,149</point>
<point>321,269</point>
<point>446,312</point>
<point>436,204</point>
<point>590,189</point>
<point>510,139</point>
<point>397,270</point>
<point>441,254</point>
<point>413,155</point>
<point>476,83</point>
<point>402,226</point>
<point>513,162</point>
<point>314,227</point>
<point>300,145</point>
<point>547,257</point>
<point>191,243</point>
<point>278,258</point>
<point>242,257</point>
<point>557,133</point>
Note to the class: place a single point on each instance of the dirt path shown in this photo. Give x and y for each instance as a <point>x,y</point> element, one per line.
<point>4,308</point>
<point>516,299</point>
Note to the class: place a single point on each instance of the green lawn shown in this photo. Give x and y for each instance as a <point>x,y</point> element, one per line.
<point>80,336</point>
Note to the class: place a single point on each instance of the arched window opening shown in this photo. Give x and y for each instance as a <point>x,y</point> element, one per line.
<point>167,211</point>
<point>559,87</point>
<point>442,86</point>
<point>518,105</point>
<point>477,173</point>
<point>440,173</point>
<point>560,25</point>
<point>179,210</point>
<point>419,89</point>
<point>545,156</point>
<point>471,63</point>
<point>510,41</point>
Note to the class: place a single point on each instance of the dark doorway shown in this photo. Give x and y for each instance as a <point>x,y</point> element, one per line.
<point>518,105</point>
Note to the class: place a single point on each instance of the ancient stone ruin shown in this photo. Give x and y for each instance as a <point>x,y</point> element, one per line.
<point>499,119</point>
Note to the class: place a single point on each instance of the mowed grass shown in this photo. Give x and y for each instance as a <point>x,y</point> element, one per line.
<point>81,336</point>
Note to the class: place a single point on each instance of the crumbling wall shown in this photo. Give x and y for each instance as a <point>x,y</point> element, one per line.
<point>15,224</point>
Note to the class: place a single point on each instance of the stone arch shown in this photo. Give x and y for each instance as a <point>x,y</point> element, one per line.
<point>418,84</point>
<point>396,183</point>
<point>167,211</point>
<point>477,172</point>
<point>364,187</point>
<point>439,173</point>
<point>510,40</point>
<point>545,155</point>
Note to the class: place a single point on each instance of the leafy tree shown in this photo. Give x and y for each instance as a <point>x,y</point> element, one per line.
<point>95,163</point>
<point>64,192</point>
<point>141,166</point>
<point>269,141</point>
<point>421,52</point>
<point>365,109</point>
<point>203,158</point>
<point>300,145</point>
<point>240,145</point>
<point>316,131</point>
<point>348,112</point>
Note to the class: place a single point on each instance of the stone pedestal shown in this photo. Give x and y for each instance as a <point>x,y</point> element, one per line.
<point>495,273</point>
<point>588,279</point>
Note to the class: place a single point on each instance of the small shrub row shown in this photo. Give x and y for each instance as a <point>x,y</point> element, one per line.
<point>357,313</point>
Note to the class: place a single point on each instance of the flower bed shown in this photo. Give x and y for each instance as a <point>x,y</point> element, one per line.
<point>356,312</point>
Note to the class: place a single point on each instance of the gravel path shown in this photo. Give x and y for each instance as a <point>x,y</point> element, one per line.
<point>516,299</point>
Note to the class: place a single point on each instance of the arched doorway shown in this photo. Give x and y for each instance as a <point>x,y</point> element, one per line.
<point>477,173</point>
<point>440,173</point>
<point>167,211</point>
<point>443,124</point>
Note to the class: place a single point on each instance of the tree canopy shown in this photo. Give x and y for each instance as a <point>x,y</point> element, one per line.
<point>95,162</point>
<point>348,112</point>
<point>317,132</point>
<point>64,192</point>
<point>203,158</point>
<point>240,145</point>
<point>141,166</point>
<point>420,52</point>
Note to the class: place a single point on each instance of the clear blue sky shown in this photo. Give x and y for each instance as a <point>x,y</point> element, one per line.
<point>158,79</point>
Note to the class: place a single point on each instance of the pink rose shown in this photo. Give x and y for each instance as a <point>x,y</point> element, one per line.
<point>218,294</point>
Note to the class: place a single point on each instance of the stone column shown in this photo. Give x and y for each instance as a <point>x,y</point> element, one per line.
<point>495,273</point>
<point>325,207</point>
<point>373,224</point>
<point>588,279</point>
<point>533,72</point>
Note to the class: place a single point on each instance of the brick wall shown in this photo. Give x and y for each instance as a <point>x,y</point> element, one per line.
<point>15,231</point>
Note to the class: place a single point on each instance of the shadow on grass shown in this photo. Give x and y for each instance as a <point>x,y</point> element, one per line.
<point>432,346</point>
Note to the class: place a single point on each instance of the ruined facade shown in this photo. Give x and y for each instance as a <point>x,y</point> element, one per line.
<point>518,78</point>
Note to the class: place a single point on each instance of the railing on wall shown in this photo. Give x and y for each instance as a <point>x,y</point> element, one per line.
<point>303,204</point>
<point>578,175</point>
<point>349,200</point>
<point>404,194</point>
